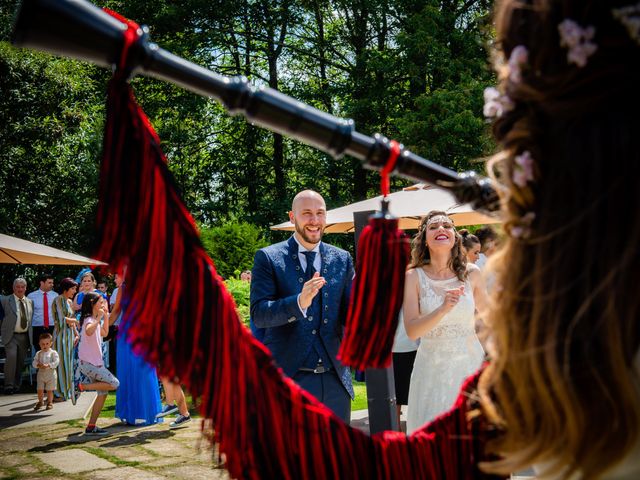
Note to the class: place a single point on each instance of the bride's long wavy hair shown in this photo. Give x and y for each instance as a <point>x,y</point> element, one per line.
<point>565,317</point>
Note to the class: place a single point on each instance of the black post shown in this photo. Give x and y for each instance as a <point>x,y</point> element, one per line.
<point>381,390</point>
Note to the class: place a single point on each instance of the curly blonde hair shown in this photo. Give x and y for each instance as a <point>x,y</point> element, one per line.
<point>561,383</point>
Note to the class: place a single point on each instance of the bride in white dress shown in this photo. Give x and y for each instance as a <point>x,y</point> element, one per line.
<point>441,295</point>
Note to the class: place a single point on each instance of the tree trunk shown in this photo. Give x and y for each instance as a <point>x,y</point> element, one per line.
<point>325,96</point>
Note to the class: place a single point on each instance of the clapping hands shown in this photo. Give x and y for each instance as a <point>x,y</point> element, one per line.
<point>311,289</point>
<point>452,297</point>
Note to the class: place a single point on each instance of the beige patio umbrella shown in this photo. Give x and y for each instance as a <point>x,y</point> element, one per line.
<point>16,250</point>
<point>409,205</point>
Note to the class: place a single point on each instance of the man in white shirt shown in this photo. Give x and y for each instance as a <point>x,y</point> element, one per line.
<point>42,309</point>
<point>15,324</point>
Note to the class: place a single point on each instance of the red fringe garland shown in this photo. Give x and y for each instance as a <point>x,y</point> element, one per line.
<point>182,319</point>
<point>376,296</point>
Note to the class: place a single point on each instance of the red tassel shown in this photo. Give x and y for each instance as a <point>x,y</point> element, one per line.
<point>182,319</point>
<point>376,297</point>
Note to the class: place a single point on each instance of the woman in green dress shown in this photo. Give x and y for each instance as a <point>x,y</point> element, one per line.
<point>66,336</point>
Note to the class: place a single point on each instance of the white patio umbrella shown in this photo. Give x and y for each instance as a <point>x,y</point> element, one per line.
<point>16,250</point>
<point>409,205</point>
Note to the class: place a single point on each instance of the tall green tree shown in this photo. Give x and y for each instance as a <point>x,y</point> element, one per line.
<point>443,44</point>
<point>413,70</point>
<point>50,143</point>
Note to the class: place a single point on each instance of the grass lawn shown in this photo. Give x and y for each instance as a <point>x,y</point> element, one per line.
<point>109,409</point>
<point>359,402</point>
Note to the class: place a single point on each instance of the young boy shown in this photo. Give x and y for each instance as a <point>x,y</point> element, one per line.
<point>46,361</point>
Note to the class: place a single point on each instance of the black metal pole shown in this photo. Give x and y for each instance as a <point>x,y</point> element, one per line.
<point>381,390</point>
<point>78,29</point>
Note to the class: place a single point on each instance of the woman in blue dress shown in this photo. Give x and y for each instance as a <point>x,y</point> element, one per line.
<point>138,397</point>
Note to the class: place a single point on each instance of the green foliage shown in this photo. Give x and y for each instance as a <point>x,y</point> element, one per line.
<point>239,289</point>
<point>360,399</point>
<point>409,69</point>
<point>444,44</point>
<point>50,141</point>
<point>447,126</point>
<point>232,246</point>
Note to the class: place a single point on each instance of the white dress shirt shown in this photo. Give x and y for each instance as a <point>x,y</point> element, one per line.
<point>51,357</point>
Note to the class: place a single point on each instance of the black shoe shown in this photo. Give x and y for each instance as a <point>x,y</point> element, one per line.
<point>9,391</point>
<point>95,431</point>
<point>167,410</point>
<point>179,421</point>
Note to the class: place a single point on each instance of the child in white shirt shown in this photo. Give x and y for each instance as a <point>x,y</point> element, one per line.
<point>46,361</point>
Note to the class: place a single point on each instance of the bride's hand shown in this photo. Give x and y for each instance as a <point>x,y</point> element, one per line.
<point>452,297</point>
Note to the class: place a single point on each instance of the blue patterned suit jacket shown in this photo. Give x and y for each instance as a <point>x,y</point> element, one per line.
<point>276,280</point>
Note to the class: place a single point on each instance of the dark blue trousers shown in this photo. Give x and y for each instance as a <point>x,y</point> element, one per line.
<point>327,388</point>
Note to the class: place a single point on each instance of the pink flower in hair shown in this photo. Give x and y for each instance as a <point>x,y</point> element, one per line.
<point>495,103</point>
<point>578,41</point>
<point>519,56</point>
<point>523,170</point>
<point>523,229</point>
<point>517,232</point>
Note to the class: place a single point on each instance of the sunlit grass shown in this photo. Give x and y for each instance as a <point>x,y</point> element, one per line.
<point>109,409</point>
<point>360,400</point>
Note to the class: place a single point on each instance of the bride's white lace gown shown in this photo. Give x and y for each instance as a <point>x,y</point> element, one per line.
<point>447,354</point>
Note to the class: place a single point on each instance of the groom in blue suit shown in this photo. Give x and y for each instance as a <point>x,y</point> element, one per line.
<point>299,299</point>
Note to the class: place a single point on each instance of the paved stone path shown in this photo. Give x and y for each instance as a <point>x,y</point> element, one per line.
<point>50,444</point>
<point>17,410</point>
<point>36,448</point>
<point>62,451</point>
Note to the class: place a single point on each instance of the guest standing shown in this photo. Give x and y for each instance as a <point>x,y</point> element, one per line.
<point>15,326</point>
<point>46,361</point>
<point>488,244</point>
<point>42,308</point>
<point>138,398</point>
<point>471,245</point>
<point>113,330</point>
<point>66,337</point>
<point>404,356</point>
<point>175,403</point>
